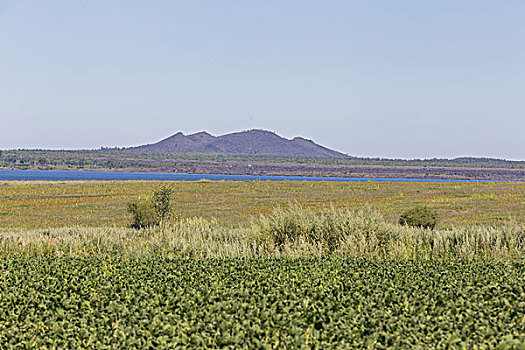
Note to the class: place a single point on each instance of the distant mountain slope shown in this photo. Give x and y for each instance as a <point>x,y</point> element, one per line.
<point>260,142</point>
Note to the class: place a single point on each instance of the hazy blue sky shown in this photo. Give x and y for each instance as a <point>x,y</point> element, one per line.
<point>375,78</point>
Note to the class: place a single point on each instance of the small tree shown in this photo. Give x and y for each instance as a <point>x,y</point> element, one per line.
<point>162,202</point>
<point>421,216</point>
<point>153,212</point>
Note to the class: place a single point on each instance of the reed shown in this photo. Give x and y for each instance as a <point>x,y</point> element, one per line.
<point>294,231</point>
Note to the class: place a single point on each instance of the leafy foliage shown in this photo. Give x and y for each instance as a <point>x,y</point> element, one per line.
<point>421,217</point>
<point>260,303</point>
<point>162,201</point>
<point>143,214</point>
<point>152,213</point>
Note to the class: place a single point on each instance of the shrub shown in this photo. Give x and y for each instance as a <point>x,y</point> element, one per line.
<point>143,214</point>
<point>152,213</point>
<point>421,217</point>
<point>162,202</point>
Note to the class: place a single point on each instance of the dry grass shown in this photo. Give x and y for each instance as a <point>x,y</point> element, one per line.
<point>95,204</point>
<point>359,233</point>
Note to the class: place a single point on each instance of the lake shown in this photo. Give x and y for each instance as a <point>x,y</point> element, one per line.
<point>88,175</point>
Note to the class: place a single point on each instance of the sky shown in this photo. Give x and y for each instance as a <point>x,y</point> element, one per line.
<point>396,79</point>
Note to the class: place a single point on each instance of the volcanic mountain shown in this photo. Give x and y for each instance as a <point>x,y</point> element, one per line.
<point>251,142</point>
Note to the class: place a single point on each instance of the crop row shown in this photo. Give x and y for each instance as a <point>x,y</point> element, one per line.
<point>260,303</point>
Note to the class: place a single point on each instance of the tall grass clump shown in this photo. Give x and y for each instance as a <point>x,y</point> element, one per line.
<point>298,231</point>
<point>360,232</point>
<point>188,238</point>
<point>472,242</point>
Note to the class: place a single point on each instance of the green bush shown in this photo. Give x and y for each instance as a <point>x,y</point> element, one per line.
<point>421,217</point>
<point>152,213</point>
<point>143,214</point>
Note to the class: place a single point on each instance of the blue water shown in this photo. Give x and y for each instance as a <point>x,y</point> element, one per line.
<point>78,175</point>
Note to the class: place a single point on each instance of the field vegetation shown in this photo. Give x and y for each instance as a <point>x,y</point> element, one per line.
<point>103,204</point>
<point>260,303</point>
<point>289,233</point>
<point>262,265</point>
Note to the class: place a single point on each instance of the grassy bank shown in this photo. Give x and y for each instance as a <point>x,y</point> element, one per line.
<point>96,204</point>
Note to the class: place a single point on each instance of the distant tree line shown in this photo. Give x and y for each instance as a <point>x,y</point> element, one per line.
<point>114,158</point>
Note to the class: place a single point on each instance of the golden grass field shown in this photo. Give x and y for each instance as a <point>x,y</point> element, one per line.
<point>58,204</point>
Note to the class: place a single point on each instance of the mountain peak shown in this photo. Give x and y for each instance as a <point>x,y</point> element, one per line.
<point>299,138</point>
<point>201,138</point>
<point>248,142</point>
<point>201,134</point>
<point>259,131</point>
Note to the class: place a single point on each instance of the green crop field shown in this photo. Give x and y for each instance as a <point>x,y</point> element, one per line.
<point>97,204</point>
<point>260,303</point>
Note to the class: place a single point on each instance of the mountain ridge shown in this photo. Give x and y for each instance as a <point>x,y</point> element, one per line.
<point>249,142</point>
